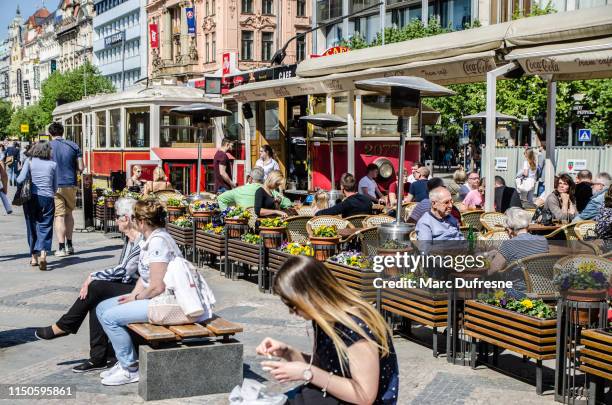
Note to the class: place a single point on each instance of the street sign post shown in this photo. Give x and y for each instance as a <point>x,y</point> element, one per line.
<point>24,128</point>
<point>584,135</point>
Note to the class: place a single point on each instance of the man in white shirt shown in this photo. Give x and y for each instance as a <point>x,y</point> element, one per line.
<point>368,186</point>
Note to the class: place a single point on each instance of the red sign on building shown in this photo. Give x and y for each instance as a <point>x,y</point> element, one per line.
<point>153,36</point>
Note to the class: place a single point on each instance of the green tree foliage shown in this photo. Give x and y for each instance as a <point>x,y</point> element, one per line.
<point>524,98</point>
<point>70,86</point>
<point>6,110</point>
<point>31,115</point>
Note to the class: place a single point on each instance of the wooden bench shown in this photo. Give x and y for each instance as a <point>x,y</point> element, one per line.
<point>211,366</point>
<point>216,327</point>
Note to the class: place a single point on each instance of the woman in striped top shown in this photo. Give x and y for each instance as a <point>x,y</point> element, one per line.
<point>98,286</point>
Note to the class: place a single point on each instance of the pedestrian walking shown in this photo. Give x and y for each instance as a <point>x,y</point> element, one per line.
<point>12,162</point>
<point>39,209</point>
<point>4,189</point>
<point>69,159</point>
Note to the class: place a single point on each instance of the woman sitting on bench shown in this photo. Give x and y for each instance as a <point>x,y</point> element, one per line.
<point>157,250</point>
<point>99,286</point>
<point>346,328</point>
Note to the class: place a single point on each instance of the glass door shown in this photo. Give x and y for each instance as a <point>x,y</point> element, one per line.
<point>180,176</point>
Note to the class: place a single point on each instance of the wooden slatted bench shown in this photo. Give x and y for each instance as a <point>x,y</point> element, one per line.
<point>210,365</point>
<point>217,327</point>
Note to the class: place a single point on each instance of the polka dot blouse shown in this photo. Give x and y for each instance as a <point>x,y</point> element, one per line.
<point>327,359</point>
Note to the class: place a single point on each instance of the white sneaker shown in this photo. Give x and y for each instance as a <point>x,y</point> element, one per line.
<point>121,377</point>
<point>110,371</point>
<point>61,253</point>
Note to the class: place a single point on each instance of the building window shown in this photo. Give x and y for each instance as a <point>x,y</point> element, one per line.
<point>115,128</point>
<point>206,12</point>
<point>207,48</point>
<point>267,7</point>
<point>137,134</point>
<point>300,48</point>
<point>247,6</point>
<point>213,5</point>
<point>213,47</point>
<point>301,8</point>
<point>101,128</point>
<point>267,42</point>
<point>247,45</point>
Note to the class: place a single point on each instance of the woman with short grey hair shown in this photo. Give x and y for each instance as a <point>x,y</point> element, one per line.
<point>99,286</point>
<point>40,209</point>
<point>521,245</point>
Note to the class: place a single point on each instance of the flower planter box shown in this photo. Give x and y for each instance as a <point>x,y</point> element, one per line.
<point>324,246</point>
<point>243,252</point>
<point>420,306</point>
<point>182,236</point>
<point>201,218</point>
<point>596,356</point>
<point>175,212</point>
<point>235,228</point>
<point>273,236</point>
<point>276,259</point>
<point>527,335</point>
<point>100,212</point>
<point>210,243</point>
<point>358,280</point>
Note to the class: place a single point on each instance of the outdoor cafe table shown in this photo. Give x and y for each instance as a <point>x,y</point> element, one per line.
<point>542,229</point>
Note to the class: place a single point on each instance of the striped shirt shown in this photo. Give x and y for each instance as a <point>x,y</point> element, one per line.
<point>523,245</point>
<point>127,269</point>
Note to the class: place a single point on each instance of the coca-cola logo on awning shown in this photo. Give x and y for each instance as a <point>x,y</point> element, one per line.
<point>477,67</point>
<point>541,66</point>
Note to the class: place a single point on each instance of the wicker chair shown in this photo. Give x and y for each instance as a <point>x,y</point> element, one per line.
<point>369,241</point>
<point>494,235</point>
<point>608,255</point>
<point>572,262</point>
<point>296,228</point>
<point>357,220</point>
<point>376,220</point>
<point>585,229</point>
<point>327,220</point>
<point>493,221</point>
<point>252,219</point>
<point>464,230</point>
<point>539,273</point>
<point>472,218</point>
<point>306,211</point>
<point>407,209</point>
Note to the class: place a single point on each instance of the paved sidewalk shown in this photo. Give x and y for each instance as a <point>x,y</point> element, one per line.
<point>30,298</point>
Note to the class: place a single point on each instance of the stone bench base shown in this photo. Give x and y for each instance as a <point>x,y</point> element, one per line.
<point>187,371</point>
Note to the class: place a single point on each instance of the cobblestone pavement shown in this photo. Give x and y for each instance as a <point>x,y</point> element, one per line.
<point>30,298</point>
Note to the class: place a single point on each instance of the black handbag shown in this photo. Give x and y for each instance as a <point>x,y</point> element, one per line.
<point>542,216</point>
<point>24,190</point>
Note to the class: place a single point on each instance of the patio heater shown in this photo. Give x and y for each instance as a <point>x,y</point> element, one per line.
<point>405,93</point>
<point>201,114</point>
<point>329,123</point>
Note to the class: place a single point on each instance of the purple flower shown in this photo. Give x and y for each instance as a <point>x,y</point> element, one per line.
<point>565,284</point>
<point>599,277</point>
<point>503,302</point>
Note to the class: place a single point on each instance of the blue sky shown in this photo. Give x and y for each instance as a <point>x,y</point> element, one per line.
<point>8,7</point>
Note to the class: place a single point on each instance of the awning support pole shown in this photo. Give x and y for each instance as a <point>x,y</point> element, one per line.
<point>330,136</point>
<point>551,116</point>
<point>490,132</point>
<point>350,142</point>
<point>246,131</point>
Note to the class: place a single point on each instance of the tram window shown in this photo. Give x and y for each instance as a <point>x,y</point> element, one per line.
<point>115,128</point>
<point>377,119</point>
<point>101,128</point>
<point>137,134</point>
<point>175,129</point>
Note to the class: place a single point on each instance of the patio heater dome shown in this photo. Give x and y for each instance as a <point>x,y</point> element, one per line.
<point>201,114</point>
<point>406,93</point>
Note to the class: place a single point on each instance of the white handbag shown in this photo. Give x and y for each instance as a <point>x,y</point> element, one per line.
<point>164,310</point>
<point>525,184</point>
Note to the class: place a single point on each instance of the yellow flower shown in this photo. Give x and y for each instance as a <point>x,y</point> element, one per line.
<point>527,303</point>
<point>499,294</point>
